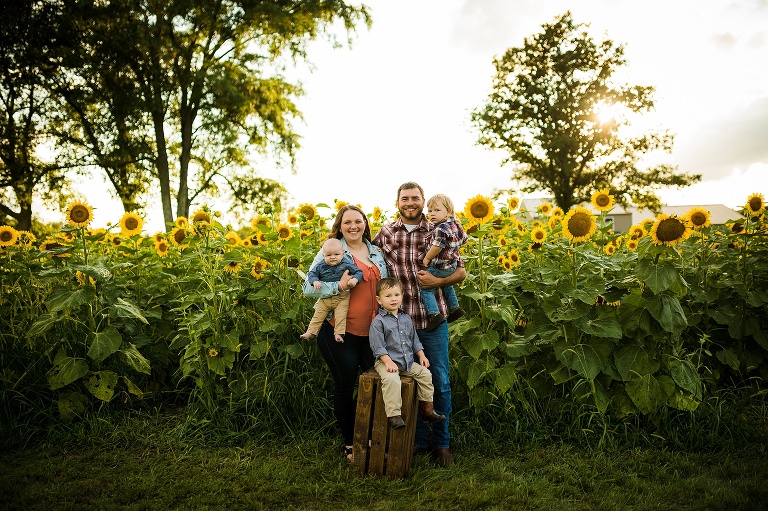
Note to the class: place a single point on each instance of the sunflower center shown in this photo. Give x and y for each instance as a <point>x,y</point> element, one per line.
<point>180,236</point>
<point>670,229</point>
<point>737,227</point>
<point>201,217</point>
<point>755,204</point>
<point>79,214</point>
<point>479,210</point>
<point>284,233</point>
<point>131,223</point>
<point>6,236</point>
<point>579,224</point>
<point>698,219</point>
<point>308,212</point>
<point>539,236</point>
<point>602,200</point>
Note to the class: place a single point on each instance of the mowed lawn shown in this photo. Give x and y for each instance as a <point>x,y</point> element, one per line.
<point>164,474</point>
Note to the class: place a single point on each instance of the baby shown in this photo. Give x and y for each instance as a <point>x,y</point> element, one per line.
<point>330,269</point>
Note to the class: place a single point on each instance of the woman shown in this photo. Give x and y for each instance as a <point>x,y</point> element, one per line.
<point>348,357</point>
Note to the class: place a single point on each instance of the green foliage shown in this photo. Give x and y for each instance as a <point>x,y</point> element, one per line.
<point>545,113</point>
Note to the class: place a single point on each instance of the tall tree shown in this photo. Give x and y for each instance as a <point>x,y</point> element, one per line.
<point>25,47</point>
<point>545,112</point>
<point>207,77</point>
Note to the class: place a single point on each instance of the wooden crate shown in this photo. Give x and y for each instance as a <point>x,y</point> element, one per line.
<point>377,449</point>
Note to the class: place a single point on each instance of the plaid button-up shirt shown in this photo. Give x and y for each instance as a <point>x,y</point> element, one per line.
<point>448,235</point>
<point>404,253</point>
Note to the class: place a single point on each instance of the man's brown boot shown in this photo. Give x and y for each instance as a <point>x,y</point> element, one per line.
<point>428,413</point>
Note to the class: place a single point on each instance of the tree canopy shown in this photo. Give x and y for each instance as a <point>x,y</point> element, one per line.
<point>544,111</point>
<point>178,98</point>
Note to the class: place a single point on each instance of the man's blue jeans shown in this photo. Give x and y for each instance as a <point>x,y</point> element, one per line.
<point>435,344</point>
<point>428,295</point>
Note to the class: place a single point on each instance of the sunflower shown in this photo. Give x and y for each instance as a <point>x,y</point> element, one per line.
<point>158,237</point>
<point>68,236</point>
<point>538,235</point>
<point>201,215</point>
<point>506,263</point>
<point>232,267</point>
<point>699,218</point>
<point>545,208</point>
<point>212,352</point>
<point>557,211</point>
<point>84,279</point>
<point>514,257</point>
<point>261,238</point>
<point>636,231</point>
<point>26,239</point>
<point>632,244</point>
<point>520,226</point>
<point>737,227</point>
<point>669,230</point>
<point>579,224</point>
<point>553,222</point>
<point>52,244</point>
<point>293,218</point>
<point>79,214</point>
<point>115,240</point>
<point>233,238</point>
<point>602,200</point>
<point>338,204</point>
<point>478,208</point>
<point>8,236</point>
<point>179,237</point>
<point>181,222</point>
<point>305,235</point>
<point>161,247</point>
<point>513,203</point>
<point>502,241</point>
<point>261,220</point>
<point>534,247</point>
<point>376,214</point>
<point>647,224</point>
<point>497,224</point>
<point>755,204</point>
<point>284,232</point>
<point>258,266</point>
<point>502,260</point>
<point>247,243</point>
<point>131,224</point>
<point>308,210</point>
<point>609,249</point>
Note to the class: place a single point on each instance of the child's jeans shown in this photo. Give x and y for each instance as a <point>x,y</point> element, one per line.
<point>428,295</point>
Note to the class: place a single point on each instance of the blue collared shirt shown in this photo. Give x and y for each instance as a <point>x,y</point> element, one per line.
<point>394,336</point>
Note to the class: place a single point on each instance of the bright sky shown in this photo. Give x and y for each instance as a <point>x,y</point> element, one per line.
<point>395,106</point>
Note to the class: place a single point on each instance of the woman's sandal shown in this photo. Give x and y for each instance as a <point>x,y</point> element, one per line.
<point>348,452</point>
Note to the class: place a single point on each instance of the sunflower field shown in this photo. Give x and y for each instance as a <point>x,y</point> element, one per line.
<point>559,309</point>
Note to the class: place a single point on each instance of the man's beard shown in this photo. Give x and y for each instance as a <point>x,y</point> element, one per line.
<point>411,214</point>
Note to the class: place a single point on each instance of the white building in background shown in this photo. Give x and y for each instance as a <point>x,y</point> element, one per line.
<point>623,218</point>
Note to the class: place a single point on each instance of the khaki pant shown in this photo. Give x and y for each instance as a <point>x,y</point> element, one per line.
<point>390,386</point>
<point>338,303</point>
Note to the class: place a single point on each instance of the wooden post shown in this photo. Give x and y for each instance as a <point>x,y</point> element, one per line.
<point>377,449</point>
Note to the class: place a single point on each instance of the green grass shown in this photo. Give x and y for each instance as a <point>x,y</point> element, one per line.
<point>164,462</point>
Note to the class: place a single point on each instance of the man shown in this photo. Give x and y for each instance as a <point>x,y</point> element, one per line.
<point>404,248</point>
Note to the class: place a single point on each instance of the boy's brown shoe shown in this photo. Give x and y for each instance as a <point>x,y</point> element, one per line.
<point>396,422</point>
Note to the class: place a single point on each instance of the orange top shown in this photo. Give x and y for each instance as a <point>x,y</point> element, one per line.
<point>362,300</point>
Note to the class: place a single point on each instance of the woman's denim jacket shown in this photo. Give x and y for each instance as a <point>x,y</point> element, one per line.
<point>328,289</point>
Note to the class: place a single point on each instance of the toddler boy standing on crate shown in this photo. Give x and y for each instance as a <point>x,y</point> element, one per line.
<point>395,345</point>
